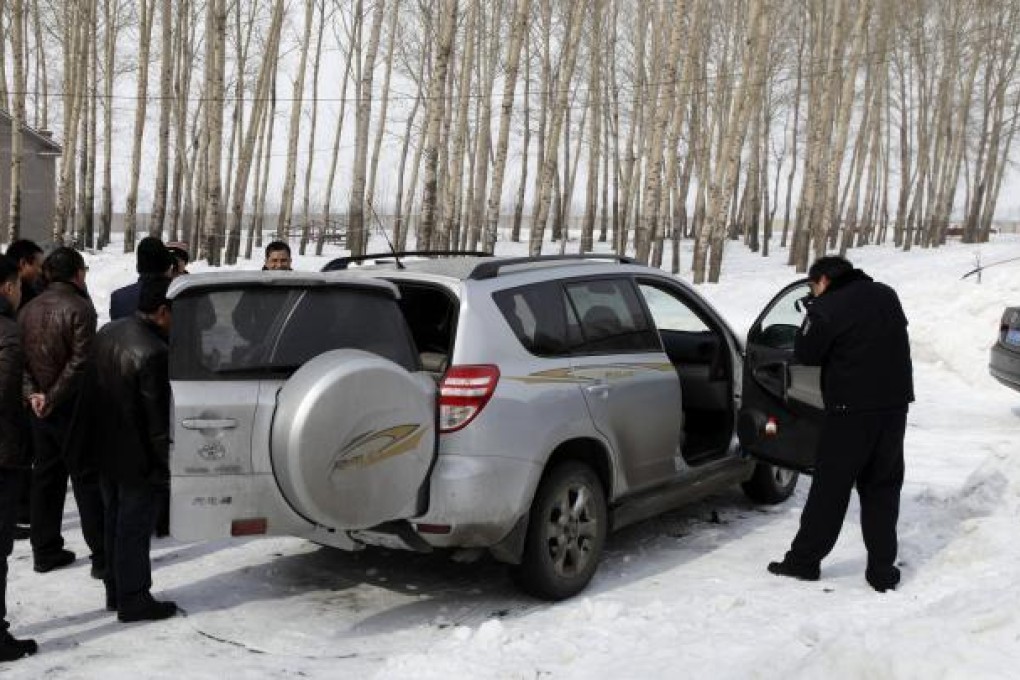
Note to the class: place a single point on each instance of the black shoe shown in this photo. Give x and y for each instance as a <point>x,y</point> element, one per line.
<point>12,648</point>
<point>886,579</point>
<point>22,531</point>
<point>794,570</point>
<point>149,610</point>
<point>59,559</point>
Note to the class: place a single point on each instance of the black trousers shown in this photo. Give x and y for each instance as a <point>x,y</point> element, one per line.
<point>11,482</point>
<point>130,513</point>
<point>50,472</point>
<point>866,450</point>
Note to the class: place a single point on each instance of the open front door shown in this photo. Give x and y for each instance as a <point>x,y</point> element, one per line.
<point>781,408</point>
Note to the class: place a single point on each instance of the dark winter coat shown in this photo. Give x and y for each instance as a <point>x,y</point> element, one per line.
<point>13,417</point>
<point>57,328</point>
<point>129,385</point>
<point>857,332</point>
<point>124,301</point>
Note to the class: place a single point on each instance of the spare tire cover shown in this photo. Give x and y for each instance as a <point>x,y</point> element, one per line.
<point>354,436</point>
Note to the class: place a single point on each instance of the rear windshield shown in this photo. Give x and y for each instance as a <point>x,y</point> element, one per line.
<point>251,332</point>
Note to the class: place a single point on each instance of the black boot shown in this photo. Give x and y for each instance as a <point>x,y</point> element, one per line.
<point>12,648</point>
<point>883,579</point>
<point>148,609</point>
<point>59,559</point>
<point>804,572</point>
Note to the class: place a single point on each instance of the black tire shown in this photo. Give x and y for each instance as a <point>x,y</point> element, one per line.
<point>770,484</point>
<point>566,533</point>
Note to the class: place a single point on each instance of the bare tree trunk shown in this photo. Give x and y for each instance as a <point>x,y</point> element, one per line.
<point>594,103</point>
<point>146,8</point>
<point>216,33</point>
<point>306,218</point>
<point>182,83</point>
<point>436,100</point>
<point>569,59</point>
<point>451,215</point>
<point>17,120</point>
<point>327,214</point>
<point>357,234</point>
<point>515,230</point>
<point>383,106</point>
<point>664,109</point>
<point>294,130</point>
<point>518,30</point>
<point>166,103</point>
<point>270,58</point>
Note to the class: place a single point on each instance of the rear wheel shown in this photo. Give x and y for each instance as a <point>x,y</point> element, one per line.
<point>566,533</point>
<point>770,484</point>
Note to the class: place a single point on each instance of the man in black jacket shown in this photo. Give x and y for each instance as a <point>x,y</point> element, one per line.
<point>856,331</point>
<point>28,256</point>
<point>14,460</point>
<point>131,439</point>
<point>152,260</point>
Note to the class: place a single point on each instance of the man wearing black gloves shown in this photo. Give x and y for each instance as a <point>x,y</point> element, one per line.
<point>130,437</point>
<point>856,331</point>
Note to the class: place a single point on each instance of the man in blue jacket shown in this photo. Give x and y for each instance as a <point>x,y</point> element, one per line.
<point>152,260</point>
<point>855,329</point>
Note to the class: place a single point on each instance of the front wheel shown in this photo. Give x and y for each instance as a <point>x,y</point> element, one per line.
<point>770,484</point>
<point>566,532</point>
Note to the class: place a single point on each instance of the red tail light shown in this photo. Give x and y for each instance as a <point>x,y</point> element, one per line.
<point>463,392</point>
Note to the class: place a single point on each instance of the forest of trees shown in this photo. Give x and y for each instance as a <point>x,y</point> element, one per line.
<point>826,123</point>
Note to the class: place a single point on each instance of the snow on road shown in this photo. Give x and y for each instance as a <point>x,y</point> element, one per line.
<point>682,595</point>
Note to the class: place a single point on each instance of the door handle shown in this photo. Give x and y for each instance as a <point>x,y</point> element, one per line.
<point>209,423</point>
<point>598,389</point>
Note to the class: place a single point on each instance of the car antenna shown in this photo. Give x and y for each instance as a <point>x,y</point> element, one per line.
<point>396,258</point>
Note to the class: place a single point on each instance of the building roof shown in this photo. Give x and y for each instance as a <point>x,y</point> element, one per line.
<point>38,135</point>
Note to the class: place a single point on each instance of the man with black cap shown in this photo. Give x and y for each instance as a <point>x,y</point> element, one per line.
<point>855,329</point>
<point>152,260</point>
<point>130,439</point>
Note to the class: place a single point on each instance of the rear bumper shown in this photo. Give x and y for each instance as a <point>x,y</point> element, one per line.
<point>204,507</point>
<point>479,498</point>
<point>1004,366</point>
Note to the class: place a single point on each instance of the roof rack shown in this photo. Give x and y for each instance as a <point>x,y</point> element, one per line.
<point>489,270</point>
<point>342,263</point>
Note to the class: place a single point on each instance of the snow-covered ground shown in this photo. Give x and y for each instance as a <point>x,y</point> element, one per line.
<point>684,595</point>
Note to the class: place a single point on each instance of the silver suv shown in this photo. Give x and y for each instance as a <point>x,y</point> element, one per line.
<point>524,406</point>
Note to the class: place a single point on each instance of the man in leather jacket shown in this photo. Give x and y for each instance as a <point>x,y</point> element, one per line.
<point>57,329</point>
<point>14,459</point>
<point>131,437</point>
<point>855,329</point>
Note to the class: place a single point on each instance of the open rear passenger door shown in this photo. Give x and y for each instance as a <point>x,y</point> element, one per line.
<point>781,407</point>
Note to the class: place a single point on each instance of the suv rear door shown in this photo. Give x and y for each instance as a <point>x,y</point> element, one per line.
<point>781,408</point>
<point>304,385</point>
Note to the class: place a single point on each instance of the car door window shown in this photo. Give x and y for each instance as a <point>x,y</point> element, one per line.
<point>779,325</point>
<point>612,319</point>
<point>670,313</point>
<point>541,318</point>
